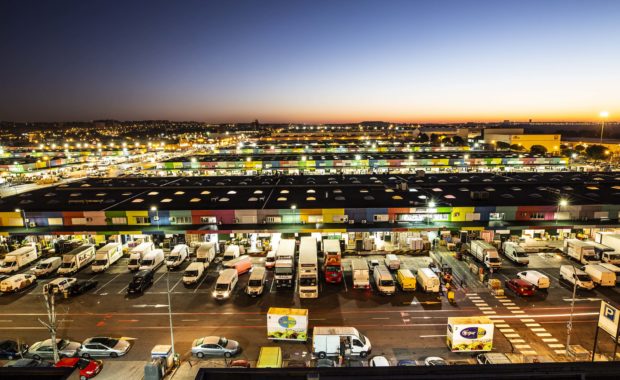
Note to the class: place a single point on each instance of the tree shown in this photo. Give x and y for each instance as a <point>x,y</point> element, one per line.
<point>423,138</point>
<point>517,147</point>
<point>458,141</point>
<point>538,149</point>
<point>502,145</point>
<point>580,148</point>
<point>597,152</point>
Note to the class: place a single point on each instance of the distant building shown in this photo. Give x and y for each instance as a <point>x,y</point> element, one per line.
<point>517,136</point>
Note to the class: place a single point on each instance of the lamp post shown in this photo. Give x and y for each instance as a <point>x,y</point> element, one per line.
<point>569,325</point>
<point>604,115</point>
<point>561,203</point>
<point>23,214</point>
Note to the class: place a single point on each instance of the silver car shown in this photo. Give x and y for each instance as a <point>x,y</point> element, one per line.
<point>214,345</point>
<point>104,346</point>
<point>45,350</point>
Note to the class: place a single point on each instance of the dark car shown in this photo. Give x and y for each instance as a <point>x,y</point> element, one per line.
<point>141,280</point>
<point>83,286</point>
<point>325,363</point>
<point>520,287</point>
<point>10,349</point>
<point>23,363</point>
<point>296,364</point>
<point>406,363</point>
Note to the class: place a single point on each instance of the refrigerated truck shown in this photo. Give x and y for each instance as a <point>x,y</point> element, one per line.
<point>612,241</point>
<point>106,256</point>
<point>205,253</point>
<point>308,268</point>
<point>286,250</point>
<point>485,253</point>
<point>360,273</point>
<point>580,251</point>
<point>77,259</point>
<point>19,259</point>
<point>470,334</point>
<point>137,253</point>
<point>287,324</point>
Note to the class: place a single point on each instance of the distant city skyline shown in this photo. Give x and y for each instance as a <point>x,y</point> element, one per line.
<point>310,61</point>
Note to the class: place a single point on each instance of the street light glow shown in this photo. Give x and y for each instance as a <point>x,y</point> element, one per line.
<point>604,114</point>
<point>153,208</point>
<point>563,203</point>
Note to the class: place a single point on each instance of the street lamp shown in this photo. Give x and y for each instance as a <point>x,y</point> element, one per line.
<point>23,214</point>
<point>562,203</point>
<point>603,115</point>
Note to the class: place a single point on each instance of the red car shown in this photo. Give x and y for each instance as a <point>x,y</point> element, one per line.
<point>520,287</point>
<point>89,368</point>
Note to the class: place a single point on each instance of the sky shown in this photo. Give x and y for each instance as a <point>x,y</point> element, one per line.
<point>309,61</point>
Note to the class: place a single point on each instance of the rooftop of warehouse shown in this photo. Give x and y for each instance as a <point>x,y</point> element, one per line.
<point>320,191</point>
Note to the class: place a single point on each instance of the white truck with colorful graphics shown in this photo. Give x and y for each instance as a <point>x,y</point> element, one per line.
<point>470,334</point>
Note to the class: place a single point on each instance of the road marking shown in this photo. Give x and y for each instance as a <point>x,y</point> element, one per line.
<point>517,312</point>
<point>529,352</point>
<point>317,319</point>
<point>485,308</point>
<point>159,305</point>
<point>129,320</point>
<point>204,277</point>
<point>159,278</point>
<point>178,282</point>
<point>253,319</point>
<point>516,340</point>
<point>502,325</point>
<point>122,290</point>
<point>507,330</point>
<point>559,345</point>
<point>6,320</point>
<point>512,335</point>
<point>380,318</point>
<point>509,304</point>
<point>499,321</point>
<point>513,308</point>
<point>189,320</point>
<point>24,328</point>
<point>560,352</point>
<point>527,320</point>
<point>549,340</point>
<point>433,336</point>
<point>471,294</point>
<point>543,334</point>
<point>522,346</point>
<point>489,312</point>
<point>104,285</point>
<point>505,300</point>
<point>538,329</point>
<point>532,324</point>
<point>581,299</point>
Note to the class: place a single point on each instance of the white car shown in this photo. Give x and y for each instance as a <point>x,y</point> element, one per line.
<point>379,361</point>
<point>435,360</point>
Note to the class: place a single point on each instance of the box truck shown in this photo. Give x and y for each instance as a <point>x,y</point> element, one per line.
<point>600,275</point>
<point>308,268</point>
<point>580,251</point>
<point>332,266</point>
<point>331,341</point>
<point>612,241</point>
<point>285,258</point>
<point>515,253</point>
<point>106,256</point>
<point>77,259</point>
<point>287,324</point>
<point>205,253</point>
<point>485,253</point>
<point>177,256</point>
<point>18,259</point>
<point>137,253</point>
<point>470,334</point>
<point>361,274</point>
<point>427,280</point>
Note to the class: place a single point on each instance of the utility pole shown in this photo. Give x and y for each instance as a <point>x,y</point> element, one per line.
<point>569,325</point>
<point>49,296</point>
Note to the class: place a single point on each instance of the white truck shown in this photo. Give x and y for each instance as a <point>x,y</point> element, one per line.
<point>137,253</point>
<point>604,253</point>
<point>427,280</point>
<point>285,259</point>
<point>360,273</point>
<point>612,241</point>
<point>77,259</point>
<point>287,324</point>
<point>177,256</point>
<point>18,259</point>
<point>328,341</point>
<point>232,252</point>
<point>580,251</point>
<point>106,256</point>
<point>485,253</point>
<point>152,260</point>
<point>470,334</point>
<point>600,275</point>
<point>205,253</point>
<point>308,268</point>
<point>515,253</point>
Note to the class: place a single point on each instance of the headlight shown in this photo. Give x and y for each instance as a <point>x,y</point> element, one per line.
<point>226,294</point>
<point>214,293</point>
<point>89,372</point>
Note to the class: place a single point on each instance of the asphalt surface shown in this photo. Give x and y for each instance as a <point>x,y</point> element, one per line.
<point>402,326</point>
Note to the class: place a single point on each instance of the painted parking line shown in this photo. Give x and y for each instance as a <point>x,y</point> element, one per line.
<point>122,290</point>
<point>529,352</point>
<point>489,312</point>
<point>507,330</point>
<point>200,283</point>
<point>159,278</point>
<point>522,346</point>
<point>175,285</point>
<point>106,284</point>
<point>514,335</point>
<point>502,325</point>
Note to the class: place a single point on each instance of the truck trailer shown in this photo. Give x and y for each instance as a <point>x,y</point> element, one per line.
<point>485,253</point>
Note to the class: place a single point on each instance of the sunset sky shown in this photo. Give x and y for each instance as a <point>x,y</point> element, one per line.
<point>309,61</point>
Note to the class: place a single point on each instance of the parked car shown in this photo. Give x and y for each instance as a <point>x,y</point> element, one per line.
<point>296,364</point>
<point>406,363</point>
<point>435,360</point>
<point>239,363</point>
<point>10,349</point>
<point>104,346</point>
<point>89,368</point>
<point>520,287</point>
<point>62,284</point>
<point>325,363</point>
<point>141,280</point>
<point>378,361</point>
<point>43,349</point>
<point>215,345</point>
<point>28,363</point>
<point>82,286</point>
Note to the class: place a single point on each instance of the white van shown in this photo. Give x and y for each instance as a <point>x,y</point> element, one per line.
<point>152,260</point>
<point>326,341</point>
<point>47,267</point>
<point>515,253</point>
<point>193,273</point>
<point>270,260</point>
<point>535,278</point>
<point>17,282</point>
<point>177,256</point>
<point>428,280</point>
<point>392,262</point>
<point>383,280</point>
<point>231,252</point>
<point>575,275</point>
<point>137,253</point>
<point>225,284</point>
<point>600,275</point>
<point>256,283</point>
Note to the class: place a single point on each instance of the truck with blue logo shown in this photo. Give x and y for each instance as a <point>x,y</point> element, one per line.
<point>287,324</point>
<point>470,334</point>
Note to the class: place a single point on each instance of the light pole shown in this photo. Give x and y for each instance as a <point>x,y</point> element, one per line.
<point>561,203</point>
<point>604,115</point>
<point>23,214</point>
<point>569,325</point>
<point>156,211</point>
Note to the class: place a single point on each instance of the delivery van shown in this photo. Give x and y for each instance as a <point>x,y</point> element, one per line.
<point>231,252</point>
<point>535,278</point>
<point>392,262</point>
<point>576,276</point>
<point>270,260</point>
<point>406,280</point>
<point>177,256</point>
<point>256,283</point>
<point>18,282</point>
<point>326,341</point>
<point>47,267</point>
<point>193,273</point>
<point>137,253</point>
<point>225,284</point>
<point>269,357</point>
<point>600,275</point>
<point>383,280</point>
<point>152,260</point>
<point>428,280</point>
